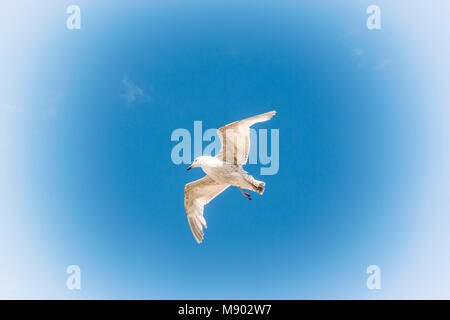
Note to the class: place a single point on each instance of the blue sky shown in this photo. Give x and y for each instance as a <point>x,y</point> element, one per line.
<point>87,177</point>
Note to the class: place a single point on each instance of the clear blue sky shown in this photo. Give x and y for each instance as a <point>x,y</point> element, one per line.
<point>87,178</point>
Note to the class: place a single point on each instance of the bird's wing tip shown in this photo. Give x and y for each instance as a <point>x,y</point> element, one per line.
<point>196,228</point>
<point>199,238</point>
<point>269,115</point>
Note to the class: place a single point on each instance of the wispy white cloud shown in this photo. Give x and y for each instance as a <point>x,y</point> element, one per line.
<point>382,64</point>
<point>133,93</point>
<point>358,52</point>
<point>10,108</point>
<point>48,105</point>
<point>358,55</point>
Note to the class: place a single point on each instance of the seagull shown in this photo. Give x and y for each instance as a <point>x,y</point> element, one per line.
<point>222,171</point>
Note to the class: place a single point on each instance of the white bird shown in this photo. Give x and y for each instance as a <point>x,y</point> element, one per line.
<point>223,170</point>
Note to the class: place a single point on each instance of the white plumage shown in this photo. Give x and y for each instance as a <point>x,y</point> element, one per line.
<point>222,171</point>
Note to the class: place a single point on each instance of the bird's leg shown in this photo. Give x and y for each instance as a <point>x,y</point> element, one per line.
<point>245,194</point>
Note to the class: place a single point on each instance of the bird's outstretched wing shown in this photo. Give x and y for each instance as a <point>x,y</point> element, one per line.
<point>196,195</point>
<point>235,138</point>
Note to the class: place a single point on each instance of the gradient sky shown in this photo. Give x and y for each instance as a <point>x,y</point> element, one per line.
<point>86,176</point>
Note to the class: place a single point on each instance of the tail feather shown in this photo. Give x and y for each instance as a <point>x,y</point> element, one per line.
<point>261,187</point>
<point>256,185</point>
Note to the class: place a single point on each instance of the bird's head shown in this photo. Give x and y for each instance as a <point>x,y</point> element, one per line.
<point>198,162</point>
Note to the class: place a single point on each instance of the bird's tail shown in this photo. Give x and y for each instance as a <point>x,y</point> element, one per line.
<point>261,186</point>
<point>256,185</point>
